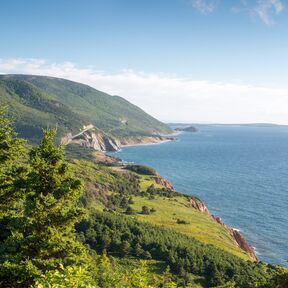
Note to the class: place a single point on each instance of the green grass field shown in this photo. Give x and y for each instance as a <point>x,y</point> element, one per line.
<point>146,181</point>
<point>200,226</point>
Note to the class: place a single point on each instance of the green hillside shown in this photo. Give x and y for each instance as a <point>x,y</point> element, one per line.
<point>199,251</point>
<point>109,226</point>
<point>37,102</point>
<point>110,187</point>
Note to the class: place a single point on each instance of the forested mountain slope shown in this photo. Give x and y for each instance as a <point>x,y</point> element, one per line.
<point>38,102</point>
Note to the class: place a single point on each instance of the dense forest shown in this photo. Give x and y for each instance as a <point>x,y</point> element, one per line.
<point>52,235</point>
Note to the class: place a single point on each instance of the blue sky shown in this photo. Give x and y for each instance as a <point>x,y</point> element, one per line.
<point>239,43</point>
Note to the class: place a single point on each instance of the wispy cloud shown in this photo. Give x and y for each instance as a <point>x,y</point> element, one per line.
<point>267,9</point>
<point>204,6</point>
<point>171,98</point>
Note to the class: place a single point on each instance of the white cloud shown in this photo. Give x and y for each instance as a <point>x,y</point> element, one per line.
<point>266,9</point>
<point>204,6</point>
<point>171,98</point>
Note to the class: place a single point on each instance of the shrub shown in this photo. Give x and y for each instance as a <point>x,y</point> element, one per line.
<point>145,210</point>
<point>152,210</point>
<point>68,277</point>
<point>130,211</point>
<point>181,221</point>
<point>130,201</point>
<point>141,169</point>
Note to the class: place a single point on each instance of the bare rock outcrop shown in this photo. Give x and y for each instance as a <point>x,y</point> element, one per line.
<point>243,243</point>
<point>163,182</point>
<point>198,205</point>
<point>92,137</point>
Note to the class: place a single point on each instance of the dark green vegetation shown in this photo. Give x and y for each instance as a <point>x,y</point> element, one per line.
<point>43,212</point>
<point>42,200</point>
<point>141,169</point>
<point>39,209</point>
<point>186,257</point>
<point>38,102</point>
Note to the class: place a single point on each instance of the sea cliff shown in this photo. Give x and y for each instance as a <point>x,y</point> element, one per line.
<point>240,240</point>
<point>92,137</point>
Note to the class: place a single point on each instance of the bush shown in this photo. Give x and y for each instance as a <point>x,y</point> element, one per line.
<point>145,210</point>
<point>180,221</point>
<point>130,211</point>
<point>130,201</point>
<point>166,192</point>
<point>68,277</point>
<point>141,169</point>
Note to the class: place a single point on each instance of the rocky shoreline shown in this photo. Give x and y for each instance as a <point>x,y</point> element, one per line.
<point>149,140</point>
<point>198,204</point>
<point>239,239</point>
<point>94,138</point>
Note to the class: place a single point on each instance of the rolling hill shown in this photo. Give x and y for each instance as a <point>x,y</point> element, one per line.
<point>37,102</point>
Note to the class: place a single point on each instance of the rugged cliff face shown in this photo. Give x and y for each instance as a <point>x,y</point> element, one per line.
<point>239,238</point>
<point>236,235</point>
<point>242,243</point>
<point>163,182</point>
<point>92,137</point>
<point>199,205</point>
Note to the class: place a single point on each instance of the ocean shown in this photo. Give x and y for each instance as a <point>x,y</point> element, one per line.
<point>240,172</point>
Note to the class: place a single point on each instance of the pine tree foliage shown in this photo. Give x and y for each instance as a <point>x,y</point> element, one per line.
<point>45,239</point>
<point>51,207</point>
<point>11,171</point>
<point>51,203</point>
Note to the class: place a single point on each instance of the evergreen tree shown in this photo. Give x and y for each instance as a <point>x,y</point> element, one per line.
<point>12,184</point>
<point>46,239</point>
<point>51,207</point>
<point>11,171</point>
<point>125,248</point>
<point>138,251</point>
<point>105,241</point>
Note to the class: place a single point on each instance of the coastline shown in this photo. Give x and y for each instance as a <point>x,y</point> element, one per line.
<point>145,141</point>
<point>236,234</point>
<point>147,144</point>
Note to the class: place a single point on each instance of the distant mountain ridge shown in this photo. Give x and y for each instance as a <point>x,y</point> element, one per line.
<point>36,102</point>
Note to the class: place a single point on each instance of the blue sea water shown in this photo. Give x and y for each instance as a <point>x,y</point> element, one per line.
<point>241,173</point>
